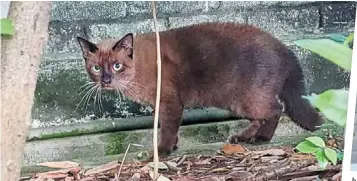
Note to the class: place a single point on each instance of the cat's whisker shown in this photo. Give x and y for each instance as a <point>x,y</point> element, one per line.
<point>87,83</point>
<point>127,89</point>
<point>87,87</point>
<point>100,98</point>
<point>89,96</point>
<point>95,97</point>
<point>119,93</point>
<point>84,97</point>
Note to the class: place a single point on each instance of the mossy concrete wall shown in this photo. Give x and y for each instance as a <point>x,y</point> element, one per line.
<point>106,144</point>
<point>62,74</point>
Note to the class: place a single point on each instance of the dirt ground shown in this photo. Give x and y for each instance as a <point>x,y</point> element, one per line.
<point>230,163</point>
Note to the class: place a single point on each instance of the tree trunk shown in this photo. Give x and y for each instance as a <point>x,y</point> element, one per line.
<point>20,59</point>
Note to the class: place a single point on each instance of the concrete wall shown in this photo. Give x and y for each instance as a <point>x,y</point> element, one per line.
<point>62,72</point>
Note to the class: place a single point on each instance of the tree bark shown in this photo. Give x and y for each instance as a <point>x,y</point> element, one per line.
<point>20,59</point>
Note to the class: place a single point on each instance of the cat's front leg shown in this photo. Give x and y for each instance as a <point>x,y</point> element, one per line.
<point>170,116</point>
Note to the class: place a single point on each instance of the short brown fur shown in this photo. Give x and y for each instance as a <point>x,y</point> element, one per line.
<point>225,65</point>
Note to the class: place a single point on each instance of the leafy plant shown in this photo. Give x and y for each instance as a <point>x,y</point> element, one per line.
<point>330,50</point>
<point>316,146</point>
<point>7,28</point>
<point>331,103</point>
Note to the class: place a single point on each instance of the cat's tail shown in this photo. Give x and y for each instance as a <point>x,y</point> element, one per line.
<point>298,108</point>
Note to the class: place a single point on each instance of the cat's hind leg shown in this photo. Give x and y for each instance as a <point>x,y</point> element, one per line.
<point>263,112</point>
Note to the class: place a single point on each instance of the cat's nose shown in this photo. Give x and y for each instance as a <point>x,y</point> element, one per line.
<point>107,80</point>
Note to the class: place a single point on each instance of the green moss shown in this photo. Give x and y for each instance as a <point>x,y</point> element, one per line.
<point>58,91</point>
<point>119,141</point>
<point>207,133</point>
<point>75,132</point>
<point>116,143</point>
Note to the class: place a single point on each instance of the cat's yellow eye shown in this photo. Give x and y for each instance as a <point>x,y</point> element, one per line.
<point>117,66</point>
<point>96,68</point>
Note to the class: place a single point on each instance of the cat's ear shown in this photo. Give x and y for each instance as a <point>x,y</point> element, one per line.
<point>125,43</point>
<point>86,46</point>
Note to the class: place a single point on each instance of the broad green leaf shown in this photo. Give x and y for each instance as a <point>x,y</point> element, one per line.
<point>333,105</point>
<point>317,141</point>
<point>349,39</point>
<point>321,158</point>
<point>340,38</point>
<point>6,27</point>
<point>307,147</point>
<point>331,155</point>
<point>330,50</point>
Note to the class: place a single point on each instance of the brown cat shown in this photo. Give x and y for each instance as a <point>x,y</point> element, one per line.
<point>225,65</point>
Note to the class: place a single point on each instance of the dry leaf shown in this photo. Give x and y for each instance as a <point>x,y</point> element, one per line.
<point>233,149</point>
<point>331,142</point>
<point>273,152</point>
<point>223,169</point>
<point>60,164</point>
<point>69,179</point>
<point>135,177</point>
<point>203,162</point>
<point>53,174</point>
<point>88,179</point>
<point>301,156</point>
<point>160,178</point>
<point>172,166</point>
<point>188,178</point>
<point>145,169</point>
<point>56,174</point>
<point>161,165</point>
<point>214,178</point>
<point>103,168</point>
<point>238,175</point>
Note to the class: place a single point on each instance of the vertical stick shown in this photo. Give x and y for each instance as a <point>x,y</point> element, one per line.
<point>20,59</point>
<point>158,92</point>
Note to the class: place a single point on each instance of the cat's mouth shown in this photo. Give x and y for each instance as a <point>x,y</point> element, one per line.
<point>107,87</point>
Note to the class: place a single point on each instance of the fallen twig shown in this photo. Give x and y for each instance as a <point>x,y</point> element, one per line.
<point>123,160</point>
<point>308,178</point>
<point>182,160</point>
<point>281,171</point>
<point>172,167</point>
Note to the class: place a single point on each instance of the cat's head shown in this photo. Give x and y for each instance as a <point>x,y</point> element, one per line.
<point>109,63</point>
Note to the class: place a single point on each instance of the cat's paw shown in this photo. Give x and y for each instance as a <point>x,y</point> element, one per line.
<point>165,150</point>
<point>261,139</point>
<point>238,138</point>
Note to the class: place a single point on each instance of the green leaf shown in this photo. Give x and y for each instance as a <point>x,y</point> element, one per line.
<point>332,104</point>
<point>307,147</point>
<point>321,158</point>
<point>317,141</point>
<point>337,37</point>
<point>331,155</point>
<point>339,155</point>
<point>6,27</point>
<point>349,39</point>
<point>330,50</point>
